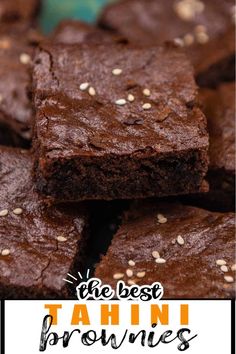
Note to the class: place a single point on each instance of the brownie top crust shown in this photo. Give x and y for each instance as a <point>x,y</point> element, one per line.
<point>18,10</point>
<point>219,107</point>
<point>78,32</point>
<point>182,247</point>
<point>198,25</point>
<point>38,244</point>
<point>101,100</point>
<point>16,51</point>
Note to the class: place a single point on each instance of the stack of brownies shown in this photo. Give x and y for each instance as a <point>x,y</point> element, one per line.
<point>137,111</point>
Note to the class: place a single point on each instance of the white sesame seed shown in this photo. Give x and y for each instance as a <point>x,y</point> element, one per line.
<point>131,263</point>
<point>92,91</point>
<point>161,219</point>
<point>233,268</point>
<point>61,239</point>
<point>180,240</point>
<point>84,86</point>
<point>118,276</point>
<point>5,252</point>
<point>4,212</point>
<point>116,71</point>
<point>17,211</point>
<point>156,254</point>
<point>220,262</point>
<point>25,58</point>
<point>130,98</point>
<point>229,279</point>
<point>131,282</point>
<point>146,106</point>
<point>160,261</point>
<point>202,37</point>
<point>224,268</point>
<point>179,42</point>
<point>146,92</point>
<point>188,39</point>
<point>141,274</point>
<point>129,273</point>
<point>121,102</point>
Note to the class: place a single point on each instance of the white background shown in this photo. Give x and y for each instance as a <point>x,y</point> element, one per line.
<point>211,320</point>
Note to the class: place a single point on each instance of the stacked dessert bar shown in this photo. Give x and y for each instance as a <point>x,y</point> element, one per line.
<point>136,111</point>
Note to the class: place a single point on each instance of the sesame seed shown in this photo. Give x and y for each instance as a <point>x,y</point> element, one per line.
<point>156,254</point>
<point>131,282</point>
<point>5,252</point>
<point>160,261</point>
<point>179,42</point>
<point>129,273</point>
<point>229,279</point>
<point>224,268</point>
<point>17,211</point>
<point>200,28</point>
<point>233,268</point>
<point>84,86</point>
<point>130,98</point>
<point>202,37</point>
<point>188,39</point>
<point>188,9</point>
<point>141,274</point>
<point>4,212</point>
<point>116,71</point>
<point>161,219</point>
<point>146,106</point>
<point>180,240</point>
<point>92,91</point>
<point>131,263</point>
<point>220,262</point>
<point>118,276</point>
<point>121,102</point>
<point>4,43</point>
<point>25,58</point>
<point>61,239</point>
<point>146,92</point>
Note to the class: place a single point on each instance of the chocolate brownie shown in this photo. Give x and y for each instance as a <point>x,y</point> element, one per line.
<point>39,244</point>
<point>16,115</point>
<point>18,10</point>
<point>77,32</point>
<point>219,107</point>
<point>205,28</point>
<point>190,251</point>
<point>117,122</point>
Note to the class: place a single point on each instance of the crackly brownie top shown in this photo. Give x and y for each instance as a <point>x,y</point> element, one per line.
<point>77,32</point>
<point>219,107</point>
<point>192,23</point>
<point>96,100</point>
<point>189,250</point>
<point>16,49</point>
<point>38,243</point>
<point>18,10</point>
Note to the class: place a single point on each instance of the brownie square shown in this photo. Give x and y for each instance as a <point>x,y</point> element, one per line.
<point>39,244</point>
<point>116,122</point>
<point>204,28</point>
<point>219,107</point>
<point>78,32</point>
<point>18,10</point>
<point>16,114</point>
<point>190,251</point>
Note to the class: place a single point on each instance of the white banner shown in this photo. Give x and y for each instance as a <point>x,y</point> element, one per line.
<point>195,327</point>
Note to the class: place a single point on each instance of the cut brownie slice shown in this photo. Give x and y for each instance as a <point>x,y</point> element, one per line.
<point>16,115</point>
<point>77,32</point>
<point>219,107</point>
<point>190,251</point>
<point>39,244</point>
<point>128,127</point>
<point>18,10</point>
<point>205,28</point>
